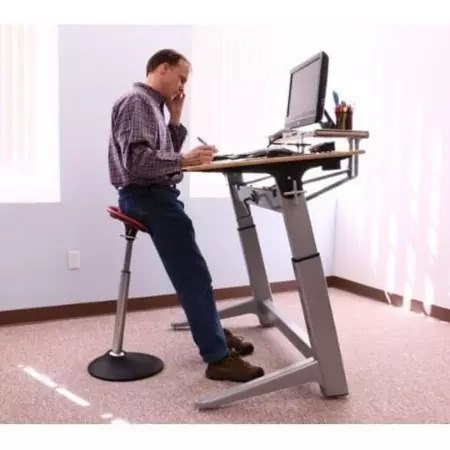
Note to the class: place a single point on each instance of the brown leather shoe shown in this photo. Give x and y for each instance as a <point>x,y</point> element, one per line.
<point>238,344</point>
<point>233,368</point>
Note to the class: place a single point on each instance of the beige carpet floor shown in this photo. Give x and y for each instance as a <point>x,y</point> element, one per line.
<point>397,365</point>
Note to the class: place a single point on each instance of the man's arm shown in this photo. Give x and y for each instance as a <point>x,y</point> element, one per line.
<point>177,130</point>
<point>136,130</point>
<point>178,134</point>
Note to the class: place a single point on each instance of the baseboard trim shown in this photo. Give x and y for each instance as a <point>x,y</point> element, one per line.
<point>43,314</point>
<point>437,312</point>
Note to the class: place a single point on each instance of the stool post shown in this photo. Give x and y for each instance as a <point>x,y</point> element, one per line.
<point>123,296</point>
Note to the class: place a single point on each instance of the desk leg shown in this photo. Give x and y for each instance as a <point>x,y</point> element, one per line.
<point>324,362</point>
<point>314,296</point>
<point>253,261</point>
<point>302,372</point>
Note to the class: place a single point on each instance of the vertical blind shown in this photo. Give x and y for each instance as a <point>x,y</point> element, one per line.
<point>29,126</point>
<point>239,87</point>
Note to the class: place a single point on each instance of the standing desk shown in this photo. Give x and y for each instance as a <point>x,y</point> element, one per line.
<point>319,342</point>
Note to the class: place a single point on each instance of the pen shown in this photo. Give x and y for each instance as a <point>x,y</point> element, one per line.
<point>336,98</point>
<point>202,141</point>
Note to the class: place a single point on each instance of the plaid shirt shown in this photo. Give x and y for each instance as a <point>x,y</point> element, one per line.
<point>143,150</point>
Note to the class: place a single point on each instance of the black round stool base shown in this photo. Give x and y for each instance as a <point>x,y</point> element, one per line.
<point>129,367</point>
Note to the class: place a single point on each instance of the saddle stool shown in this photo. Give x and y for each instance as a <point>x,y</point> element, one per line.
<point>116,364</point>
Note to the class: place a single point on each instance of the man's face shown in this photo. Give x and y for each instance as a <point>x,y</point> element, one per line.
<point>174,78</point>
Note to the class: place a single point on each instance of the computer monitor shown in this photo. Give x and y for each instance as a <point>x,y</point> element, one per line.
<point>307,90</point>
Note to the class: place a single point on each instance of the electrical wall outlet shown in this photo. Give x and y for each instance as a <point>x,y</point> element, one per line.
<point>74,259</point>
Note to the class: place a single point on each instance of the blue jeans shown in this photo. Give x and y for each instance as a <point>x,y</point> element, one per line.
<point>171,230</point>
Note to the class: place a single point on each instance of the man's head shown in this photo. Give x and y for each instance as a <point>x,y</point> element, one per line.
<point>168,72</point>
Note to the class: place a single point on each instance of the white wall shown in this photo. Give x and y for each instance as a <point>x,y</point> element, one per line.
<point>393,223</point>
<point>97,64</point>
<point>239,89</point>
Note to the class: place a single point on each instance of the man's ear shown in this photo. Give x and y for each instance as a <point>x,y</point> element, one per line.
<point>164,67</point>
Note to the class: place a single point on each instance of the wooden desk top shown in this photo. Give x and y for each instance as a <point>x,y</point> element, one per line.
<point>224,165</point>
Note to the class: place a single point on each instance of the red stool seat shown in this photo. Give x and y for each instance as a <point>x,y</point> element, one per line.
<point>116,213</point>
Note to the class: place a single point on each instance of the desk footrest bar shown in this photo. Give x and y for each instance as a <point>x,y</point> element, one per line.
<point>249,307</point>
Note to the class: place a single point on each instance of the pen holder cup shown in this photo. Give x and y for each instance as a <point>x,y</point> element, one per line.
<point>344,119</point>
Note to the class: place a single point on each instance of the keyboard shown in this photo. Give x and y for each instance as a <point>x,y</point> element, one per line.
<point>260,153</point>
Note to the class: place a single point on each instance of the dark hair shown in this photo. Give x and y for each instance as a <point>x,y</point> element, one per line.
<point>164,56</point>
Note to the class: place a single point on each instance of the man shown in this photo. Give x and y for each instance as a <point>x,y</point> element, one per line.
<point>145,164</point>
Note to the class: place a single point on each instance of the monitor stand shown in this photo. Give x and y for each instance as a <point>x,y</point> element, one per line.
<point>329,123</point>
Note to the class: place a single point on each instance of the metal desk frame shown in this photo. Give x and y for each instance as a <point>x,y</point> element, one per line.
<point>319,343</point>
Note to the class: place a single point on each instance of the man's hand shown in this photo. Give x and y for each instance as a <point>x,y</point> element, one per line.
<point>176,108</point>
<point>199,155</point>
